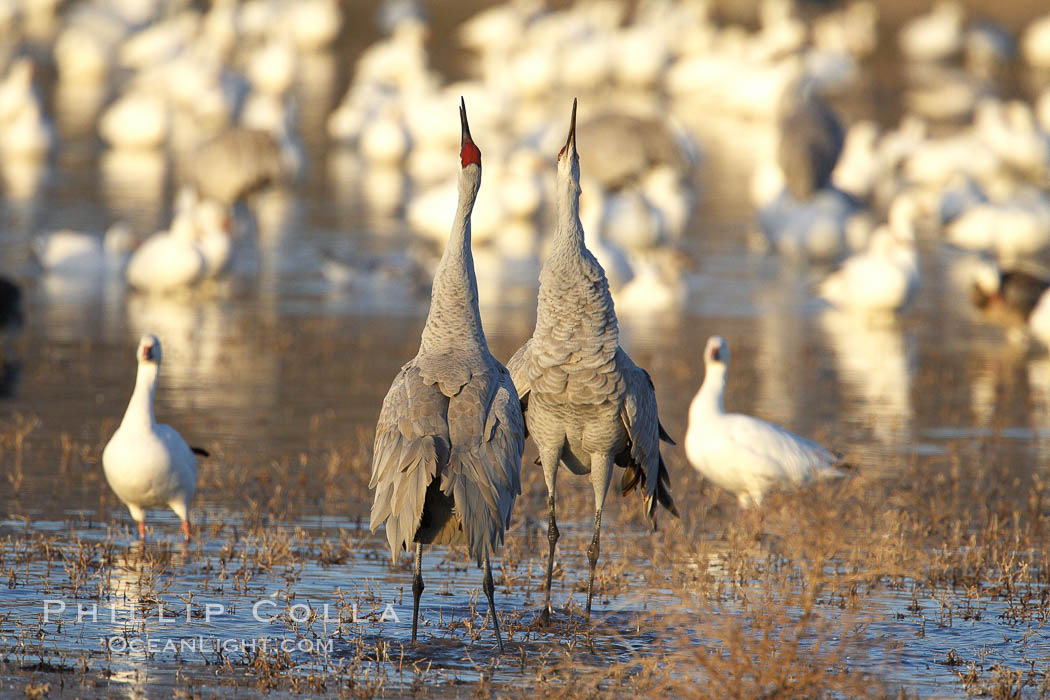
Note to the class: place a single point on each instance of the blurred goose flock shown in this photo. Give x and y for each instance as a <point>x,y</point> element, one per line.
<point>853,195</point>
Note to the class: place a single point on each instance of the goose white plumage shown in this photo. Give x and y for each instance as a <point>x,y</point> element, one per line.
<point>28,135</point>
<point>1013,229</point>
<point>744,455</point>
<point>811,230</point>
<point>935,36</point>
<point>655,288</point>
<point>68,252</point>
<point>147,464</point>
<point>214,240</point>
<point>196,247</point>
<point>1039,320</point>
<point>169,259</point>
<point>882,278</point>
<point>137,120</point>
<point>1035,42</point>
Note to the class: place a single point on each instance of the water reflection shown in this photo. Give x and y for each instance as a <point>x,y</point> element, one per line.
<point>133,186</point>
<point>1038,374</point>
<point>874,369</point>
<point>781,348</point>
<point>209,358</point>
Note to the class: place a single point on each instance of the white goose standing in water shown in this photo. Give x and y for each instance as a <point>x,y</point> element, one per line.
<point>744,455</point>
<point>146,464</point>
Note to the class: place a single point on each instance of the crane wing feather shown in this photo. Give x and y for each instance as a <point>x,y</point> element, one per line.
<point>484,472</point>
<point>641,458</point>
<point>411,446</point>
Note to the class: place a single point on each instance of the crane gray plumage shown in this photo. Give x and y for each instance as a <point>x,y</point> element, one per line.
<point>811,139</point>
<point>446,467</point>
<point>238,162</point>
<point>586,404</point>
<point>625,147</point>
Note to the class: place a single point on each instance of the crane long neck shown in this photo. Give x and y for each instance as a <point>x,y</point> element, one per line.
<point>574,302</point>
<point>454,315</point>
<point>568,234</point>
<point>140,408</point>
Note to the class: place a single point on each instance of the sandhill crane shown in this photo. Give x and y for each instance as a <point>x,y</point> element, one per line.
<point>446,467</point>
<point>586,404</point>
<point>744,455</point>
<point>149,464</point>
<point>242,160</point>
<point>811,139</point>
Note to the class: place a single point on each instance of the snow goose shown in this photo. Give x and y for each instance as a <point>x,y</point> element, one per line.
<point>84,50</point>
<point>214,231</point>
<point>1013,229</point>
<point>609,254</point>
<point>1013,297</point>
<point>377,281</point>
<point>68,252</point>
<point>497,27</point>
<point>1010,129</point>
<point>641,55</point>
<point>808,230</point>
<point>672,196</point>
<point>1035,42</point>
<point>148,464</point>
<point>1039,320</point>
<point>936,36</point>
<point>857,169</point>
<point>744,455</point>
<point>137,120</point>
<point>271,67</point>
<point>16,89</point>
<point>168,260</point>
<point>657,287</point>
<point>1016,290</point>
<point>631,221</point>
<point>385,141</point>
<point>313,24</point>
<point>882,278</point>
<point>852,29</point>
<point>28,135</point>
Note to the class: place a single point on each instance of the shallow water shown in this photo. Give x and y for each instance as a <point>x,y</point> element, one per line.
<point>281,376</point>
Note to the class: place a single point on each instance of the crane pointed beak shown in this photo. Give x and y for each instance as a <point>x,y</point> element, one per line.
<point>571,141</point>
<point>469,154</point>
<point>465,133</point>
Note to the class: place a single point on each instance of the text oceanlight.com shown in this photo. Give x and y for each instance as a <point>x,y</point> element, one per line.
<point>228,645</point>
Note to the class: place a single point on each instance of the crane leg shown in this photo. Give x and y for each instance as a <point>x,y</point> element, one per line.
<point>490,591</point>
<point>550,475</point>
<point>601,474</point>
<point>417,589</point>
